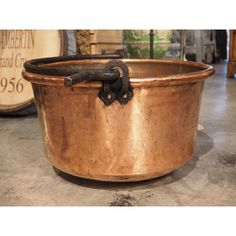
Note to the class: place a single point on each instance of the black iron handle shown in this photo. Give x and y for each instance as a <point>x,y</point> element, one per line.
<point>122,88</point>
<point>90,75</point>
<point>115,85</point>
<point>38,66</point>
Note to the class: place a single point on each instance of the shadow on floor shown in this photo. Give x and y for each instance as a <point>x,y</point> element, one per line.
<point>204,145</point>
<point>18,117</point>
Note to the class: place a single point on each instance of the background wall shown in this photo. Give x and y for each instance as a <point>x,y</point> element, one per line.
<point>197,45</point>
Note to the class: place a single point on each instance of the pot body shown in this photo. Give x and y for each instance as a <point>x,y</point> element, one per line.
<point>152,135</point>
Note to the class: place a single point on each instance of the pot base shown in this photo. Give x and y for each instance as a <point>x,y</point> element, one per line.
<point>120,178</point>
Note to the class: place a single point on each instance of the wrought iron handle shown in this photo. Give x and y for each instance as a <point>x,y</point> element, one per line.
<point>114,86</point>
<point>38,66</point>
<point>121,88</point>
<point>90,75</point>
<point>114,76</point>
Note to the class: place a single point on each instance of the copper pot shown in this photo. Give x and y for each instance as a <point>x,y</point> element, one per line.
<point>151,135</point>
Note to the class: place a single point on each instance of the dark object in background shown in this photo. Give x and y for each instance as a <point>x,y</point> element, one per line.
<point>221,44</point>
<point>30,110</point>
<point>191,56</point>
<point>151,35</point>
<point>231,65</point>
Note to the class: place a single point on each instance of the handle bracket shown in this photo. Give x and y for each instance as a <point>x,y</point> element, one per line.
<point>114,78</point>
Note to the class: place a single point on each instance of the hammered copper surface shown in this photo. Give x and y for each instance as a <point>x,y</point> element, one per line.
<point>150,136</point>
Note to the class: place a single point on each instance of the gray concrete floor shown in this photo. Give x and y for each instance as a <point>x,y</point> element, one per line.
<point>27,178</point>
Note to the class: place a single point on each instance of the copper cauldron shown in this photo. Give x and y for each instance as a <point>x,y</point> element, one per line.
<point>112,119</point>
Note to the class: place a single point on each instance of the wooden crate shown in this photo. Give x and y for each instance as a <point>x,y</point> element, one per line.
<point>97,41</point>
<point>105,40</point>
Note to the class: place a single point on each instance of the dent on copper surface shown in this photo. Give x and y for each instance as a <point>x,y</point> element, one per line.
<point>150,136</point>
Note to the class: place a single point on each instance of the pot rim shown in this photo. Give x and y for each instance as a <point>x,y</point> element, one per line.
<point>204,72</point>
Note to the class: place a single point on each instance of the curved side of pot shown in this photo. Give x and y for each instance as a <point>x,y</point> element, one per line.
<point>152,135</point>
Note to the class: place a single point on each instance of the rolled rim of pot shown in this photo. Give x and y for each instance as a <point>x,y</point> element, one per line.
<point>142,72</point>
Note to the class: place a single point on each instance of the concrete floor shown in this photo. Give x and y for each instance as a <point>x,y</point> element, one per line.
<point>27,178</point>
